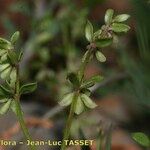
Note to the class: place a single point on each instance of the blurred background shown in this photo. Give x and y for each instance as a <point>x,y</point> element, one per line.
<point>52,38</point>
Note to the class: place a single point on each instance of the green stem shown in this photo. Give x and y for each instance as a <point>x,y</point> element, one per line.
<point>73,104</point>
<point>19,111</point>
<point>69,122</point>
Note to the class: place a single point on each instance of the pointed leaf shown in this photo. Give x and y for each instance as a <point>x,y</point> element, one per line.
<point>108,16</point>
<point>4,44</point>
<point>141,139</point>
<point>20,56</point>
<point>100,56</point>
<point>121,18</point>
<point>89,31</point>
<point>4,91</point>
<point>5,107</point>
<point>79,106</point>
<point>90,82</point>
<point>120,27</point>
<point>67,99</point>
<point>15,37</point>
<point>28,88</point>
<point>87,101</point>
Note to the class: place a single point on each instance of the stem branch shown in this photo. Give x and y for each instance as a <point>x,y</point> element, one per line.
<point>73,104</point>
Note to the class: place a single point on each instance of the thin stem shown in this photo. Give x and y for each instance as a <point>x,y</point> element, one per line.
<point>73,104</point>
<point>69,122</point>
<point>19,110</point>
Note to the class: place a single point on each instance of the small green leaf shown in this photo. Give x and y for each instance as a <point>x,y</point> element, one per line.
<point>67,99</point>
<point>100,56</point>
<point>28,88</point>
<point>86,91</point>
<point>120,27</point>
<point>72,77</point>
<point>4,44</point>
<point>141,139</point>
<point>4,91</point>
<point>108,16</point>
<point>13,107</point>
<point>85,56</point>
<point>5,74</point>
<point>13,75</point>
<point>15,37</point>
<point>97,34</point>
<point>5,107</point>
<point>12,57</point>
<point>4,57</point>
<point>2,52</point>
<point>121,18</point>
<point>79,106</point>
<point>4,66</point>
<point>103,42</point>
<point>90,82</point>
<point>20,56</point>
<point>87,101</point>
<point>3,100</point>
<point>89,31</point>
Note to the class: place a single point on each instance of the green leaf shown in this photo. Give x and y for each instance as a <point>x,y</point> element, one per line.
<point>4,66</point>
<point>141,139</point>
<point>85,56</point>
<point>120,27</point>
<point>15,37</point>
<point>103,42</point>
<point>2,52</point>
<point>28,88</point>
<point>97,34</point>
<point>13,107</point>
<point>5,74</point>
<point>108,16</point>
<point>79,106</point>
<point>4,91</point>
<point>20,56</point>
<point>4,57</point>
<point>12,56</point>
<point>87,101</point>
<point>67,99</point>
<point>3,100</point>
<point>72,77</point>
<point>121,18</point>
<point>100,56</point>
<point>13,75</point>
<point>5,107</point>
<point>90,82</point>
<point>89,31</point>
<point>4,44</point>
<point>86,91</point>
